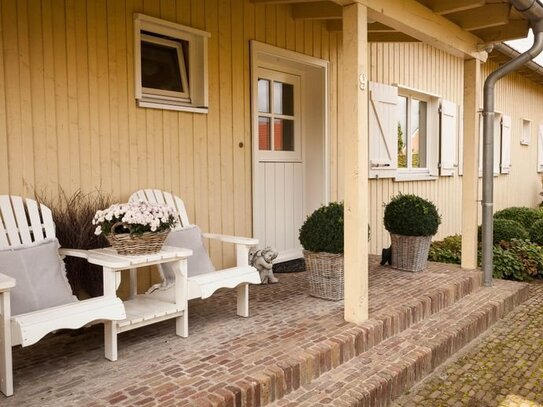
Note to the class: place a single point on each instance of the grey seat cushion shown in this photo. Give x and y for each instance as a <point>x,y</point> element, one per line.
<point>189,237</point>
<point>40,276</point>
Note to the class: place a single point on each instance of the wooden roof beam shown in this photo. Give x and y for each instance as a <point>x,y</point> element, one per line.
<point>415,20</point>
<point>317,11</point>
<point>282,1</point>
<point>514,29</point>
<point>491,15</point>
<point>443,7</point>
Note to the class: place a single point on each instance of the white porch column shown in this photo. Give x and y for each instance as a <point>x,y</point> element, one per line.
<point>355,133</point>
<point>470,178</point>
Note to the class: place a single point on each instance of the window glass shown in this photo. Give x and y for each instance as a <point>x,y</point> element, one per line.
<point>283,98</point>
<point>160,67</point>
<point>264,133</point>
<point>402,132</point>
<point>264,95</point>
<point>418,134</point>
<point>283,135</point>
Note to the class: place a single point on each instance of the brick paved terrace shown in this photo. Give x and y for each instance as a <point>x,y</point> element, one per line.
<point>290,342</point>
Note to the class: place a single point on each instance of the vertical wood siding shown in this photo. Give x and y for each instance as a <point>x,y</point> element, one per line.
<point>68,114</point>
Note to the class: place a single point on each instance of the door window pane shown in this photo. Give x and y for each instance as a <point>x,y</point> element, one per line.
<point>283,135</point>
<point>283,98</point>
<point>264,95</point>
<point>264,134</point>
<point>402,132</point>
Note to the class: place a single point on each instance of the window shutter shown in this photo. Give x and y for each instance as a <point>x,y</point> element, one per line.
<point>383,130</point>
<point>480,155</point>
<point>449,134</point>
<point>460,140</point>
<point>540,148</point>
<point>497,142</point>
<point>506,145</point>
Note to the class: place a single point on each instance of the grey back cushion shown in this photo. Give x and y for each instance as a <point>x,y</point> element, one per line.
<point>40,276</point>
<point>189,237</point>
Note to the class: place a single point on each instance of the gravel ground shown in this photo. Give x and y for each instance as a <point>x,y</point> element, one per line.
<point>502,368</point>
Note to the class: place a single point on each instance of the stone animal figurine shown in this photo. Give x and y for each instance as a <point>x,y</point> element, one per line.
<point>262,260</point>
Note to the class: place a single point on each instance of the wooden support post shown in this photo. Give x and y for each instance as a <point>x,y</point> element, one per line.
<point>181,298</point>
<point>355,133</point>
<point>470,178</point>
<point>110,327</point>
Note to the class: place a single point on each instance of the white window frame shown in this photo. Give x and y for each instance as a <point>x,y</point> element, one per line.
<point>195,82</point>
<point>432,130</point>
<point>525,139</point>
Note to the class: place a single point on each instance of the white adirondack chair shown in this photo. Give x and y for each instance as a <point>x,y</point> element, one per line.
<point>204,285</point>
<point>23,222</point>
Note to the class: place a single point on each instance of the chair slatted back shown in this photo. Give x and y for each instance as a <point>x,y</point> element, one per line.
<point>23,221</point>
<point>162,197</point>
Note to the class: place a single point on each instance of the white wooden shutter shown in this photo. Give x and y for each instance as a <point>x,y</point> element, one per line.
<point>540,148</point>
<point>480,155</point>
<point>383,130</point>
<point>460,140</point>
<point>449,135</point>
<point>506,145</point>
<point>497,142</point>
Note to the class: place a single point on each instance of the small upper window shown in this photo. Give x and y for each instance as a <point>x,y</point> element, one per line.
<point>171,65</point>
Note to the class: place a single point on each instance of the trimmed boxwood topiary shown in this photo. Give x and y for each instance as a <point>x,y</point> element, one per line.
<point>505,230</point>
<point>411,215</point>
<point>323,229</point>
<point>536,232</point>
<point>525,216</point>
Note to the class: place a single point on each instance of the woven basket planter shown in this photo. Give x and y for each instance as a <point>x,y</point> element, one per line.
<point>325,275</point>
<point>410,253</point>
<point>134,245</point>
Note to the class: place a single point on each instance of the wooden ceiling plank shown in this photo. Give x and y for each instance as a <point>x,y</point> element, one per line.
<point>317,11</point>
<point>443,7</point>
<point>491,15</point>
<point>513,30</point>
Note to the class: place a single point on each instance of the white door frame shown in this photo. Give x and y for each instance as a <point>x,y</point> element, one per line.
<point>282,58</point>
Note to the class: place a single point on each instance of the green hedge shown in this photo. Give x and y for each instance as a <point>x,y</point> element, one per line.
<point>505,230</point>
<point>525,216</point>
<point>448,250</point>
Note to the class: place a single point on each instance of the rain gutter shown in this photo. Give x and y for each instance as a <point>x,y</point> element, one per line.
<point>533,11</point>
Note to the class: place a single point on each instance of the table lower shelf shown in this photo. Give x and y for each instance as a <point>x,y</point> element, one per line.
<point>144,310</point>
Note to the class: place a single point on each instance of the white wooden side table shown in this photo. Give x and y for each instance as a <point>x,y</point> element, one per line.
<point>143,310</point>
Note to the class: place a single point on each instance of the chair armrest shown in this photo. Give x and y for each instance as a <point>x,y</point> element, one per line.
<point>6,283</point>
<point>246,241</point>
<point>84,254</point>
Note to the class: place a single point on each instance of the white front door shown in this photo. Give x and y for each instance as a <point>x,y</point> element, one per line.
<point>279,169</point>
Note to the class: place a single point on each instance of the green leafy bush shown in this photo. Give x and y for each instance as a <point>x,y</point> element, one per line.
<point>525,216</point>
<point>448,250</point>
<point>323,229</point>
<point>530,254</point>
<point>536,232</point>
<point>411,215</point>
<point>507,264</point>
<point>505,230</point>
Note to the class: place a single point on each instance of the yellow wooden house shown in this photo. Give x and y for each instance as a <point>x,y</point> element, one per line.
<point>265,109</point>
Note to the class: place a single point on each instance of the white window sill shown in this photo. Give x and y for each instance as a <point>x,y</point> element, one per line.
<point>414,176</point>
<point>164,106</point>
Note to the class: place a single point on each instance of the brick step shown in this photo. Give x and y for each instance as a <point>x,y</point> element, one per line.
<point>383,373</point>
<point>264,384</point>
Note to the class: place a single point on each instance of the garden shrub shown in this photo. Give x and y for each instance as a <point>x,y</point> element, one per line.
<point>505,230</point>
<point>323,229</point>
<point>411,215</point>
<point>448,250</point>
<point>531,256</point>
<point>536,232</point>
<point>507,265</point>
<point>525,216</point>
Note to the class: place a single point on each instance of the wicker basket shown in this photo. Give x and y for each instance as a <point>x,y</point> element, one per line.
<point>325,275</point>
<point>133,245</point>
<point>410,253</point>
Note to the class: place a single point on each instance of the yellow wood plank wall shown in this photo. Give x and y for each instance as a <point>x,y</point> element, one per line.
<point>68,115</point>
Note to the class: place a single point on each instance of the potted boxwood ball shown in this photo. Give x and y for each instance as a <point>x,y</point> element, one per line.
<point>411,221</point>
<point>321,236</point>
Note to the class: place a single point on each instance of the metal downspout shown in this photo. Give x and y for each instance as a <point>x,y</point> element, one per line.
<point>534,12</point>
